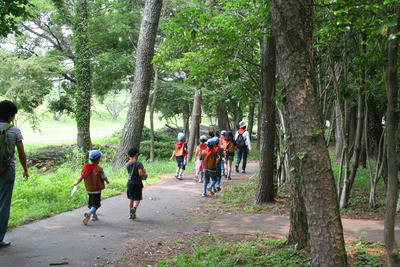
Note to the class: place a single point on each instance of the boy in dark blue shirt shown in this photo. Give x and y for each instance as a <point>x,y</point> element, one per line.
<point>134,186</point>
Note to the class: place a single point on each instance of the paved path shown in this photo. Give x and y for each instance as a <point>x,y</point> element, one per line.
<point>165,212</point>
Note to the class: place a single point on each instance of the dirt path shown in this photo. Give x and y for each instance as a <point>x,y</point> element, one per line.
<point>170,209</point>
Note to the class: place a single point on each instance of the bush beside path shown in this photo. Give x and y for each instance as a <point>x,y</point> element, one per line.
<point>171,209</point>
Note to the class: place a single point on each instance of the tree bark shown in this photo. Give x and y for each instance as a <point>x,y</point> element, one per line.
<point>196,118</point>
<point>292,20</point>
<point>83,75</point>
<point>153,104</point>
<point>251,118</point>
<point>391,124</point>
<point>222,114</point>
<point>132,132</point>
<point>265,190</point>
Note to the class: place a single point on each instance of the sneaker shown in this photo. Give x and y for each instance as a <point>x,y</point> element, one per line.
<point>229,178</point>
<point>180,177</point>
<point>4,243</point>
<point>93,218</point>
<point>237,168</point>
<point>204,195</point>
<point>226,173</point>
<point>218,188</point>
<point>200,181</point>
<point>176,175</point>
<point>132,214</point>
<point>243,171</point>
<point>211,191</point>
<point>195,179</point>
<point>85,219</point>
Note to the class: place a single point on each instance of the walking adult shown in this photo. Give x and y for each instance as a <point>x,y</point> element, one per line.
<point>243,146</point>
<point>14,139</point>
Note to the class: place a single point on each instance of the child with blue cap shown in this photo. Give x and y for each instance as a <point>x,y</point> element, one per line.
<point>209,158</point>
<point>94,178</point>
<point>180,152</point>
<point>199,168</point>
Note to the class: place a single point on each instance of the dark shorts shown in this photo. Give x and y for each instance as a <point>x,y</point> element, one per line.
<point>229,156</point>
<point>209,175</point>
<point>94,200</point>
<point>180,160</point>
<point>219,168</point>
<point>134,191</point>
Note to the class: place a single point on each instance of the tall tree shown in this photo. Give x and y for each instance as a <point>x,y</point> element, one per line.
<point>292,22</point>
<point>391,142</point>
<point>133,127</point>
<point>9,10</point>
<point>265,191</point>
<point>196,118</point>
<point>83,74</point>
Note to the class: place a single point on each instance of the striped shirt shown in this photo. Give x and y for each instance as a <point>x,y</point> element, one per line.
<point>13,136</point>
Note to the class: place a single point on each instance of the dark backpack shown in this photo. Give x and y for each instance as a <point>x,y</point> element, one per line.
<point>4,153</point>
<point>240,142</point>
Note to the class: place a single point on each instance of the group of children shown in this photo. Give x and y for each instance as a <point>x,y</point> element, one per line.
<point>213,157</point>
<point>95,179</point>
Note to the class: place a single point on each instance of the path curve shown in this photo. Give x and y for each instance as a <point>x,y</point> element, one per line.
<point>165,212</point>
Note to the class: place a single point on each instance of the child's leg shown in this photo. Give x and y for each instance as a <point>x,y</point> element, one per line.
<point>130,204</point>
<point>136,204</point>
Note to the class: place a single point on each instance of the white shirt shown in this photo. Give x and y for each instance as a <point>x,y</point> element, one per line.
<point>246,137</point>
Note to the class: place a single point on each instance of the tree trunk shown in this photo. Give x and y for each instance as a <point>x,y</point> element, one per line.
<point>251,118</point>
<point>259,113</point>
<point>83,75</point>
<point>222,114</point>
<point>196,118</point>
<point>338,134</point>
<point>265,190</point>
<point>391,124</point>
<point>153,104</point>
<point>132,133</point>
<point>292,21</point>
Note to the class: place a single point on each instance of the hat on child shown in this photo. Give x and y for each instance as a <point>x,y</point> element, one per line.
<point>203,137</point>
<point>94,154</point>
<point>242,124</point>
<point>181,136</point>
<point>132,151</point>
<point>211,142</point>
<point>223,132</point>
<point>216,140</point>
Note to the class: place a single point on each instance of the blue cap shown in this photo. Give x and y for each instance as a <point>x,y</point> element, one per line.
<point>216,140</point>
<point>203,137</point>
<point>94,154</point>
<point>223,132</point>
<point>181,136</point>
<point>211,142</point>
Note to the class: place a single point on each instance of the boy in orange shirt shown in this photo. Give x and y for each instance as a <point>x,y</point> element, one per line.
<point>94,178</point>
<point>180,153</point>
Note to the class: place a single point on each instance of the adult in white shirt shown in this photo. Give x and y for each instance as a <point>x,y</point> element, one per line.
<point>242,138</point>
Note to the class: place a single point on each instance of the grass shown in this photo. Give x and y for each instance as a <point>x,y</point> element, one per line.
<point>214,250</point>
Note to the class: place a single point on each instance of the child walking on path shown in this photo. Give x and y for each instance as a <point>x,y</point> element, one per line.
<point>199,168</point>
<point>229,148</point>
<point>14,138</point>
<point>219,162</point>
<point>180,153</point>
<point>221,144</point>
<point>209,159</point>
<point>134,186</point>
<point>94,178</point>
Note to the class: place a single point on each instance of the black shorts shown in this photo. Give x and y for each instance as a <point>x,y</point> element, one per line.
<point>134,191</point>
<point>180,160</point>
<point>94,200</point>
<point>209,175</point>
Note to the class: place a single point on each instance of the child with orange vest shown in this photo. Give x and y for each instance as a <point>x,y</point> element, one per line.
<point>199,168</point>
<point>221,144</point>
<point>180,153</point>
<point>229,148</point>
<point>209,158</point>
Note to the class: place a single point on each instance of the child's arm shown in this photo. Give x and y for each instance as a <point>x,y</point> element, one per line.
<point>173,154</point>
<point>142,173</point>
<point>78,181</point>
<point>106,180</point>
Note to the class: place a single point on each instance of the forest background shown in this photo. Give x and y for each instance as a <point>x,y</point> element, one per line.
<point>218,60</point>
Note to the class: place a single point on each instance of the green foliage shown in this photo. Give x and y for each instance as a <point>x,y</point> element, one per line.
<point>215,251</point>
<point>10,11</point>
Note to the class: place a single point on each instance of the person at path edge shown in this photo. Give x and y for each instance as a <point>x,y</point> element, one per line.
<point>243,146</point>
<point>94,178</point>
<point>180,152</point>
<point>14,139</point>
<point>134,186</point>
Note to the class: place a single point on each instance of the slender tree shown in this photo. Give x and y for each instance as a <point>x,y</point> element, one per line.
<point>265,191</point>
<point>292,21</point>
<point>391,144</point>
<point>83,75</point>
<point>196,119</point>
<point>132,131</point>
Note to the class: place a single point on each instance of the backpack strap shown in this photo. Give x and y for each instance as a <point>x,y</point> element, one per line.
<point>5,128</point>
